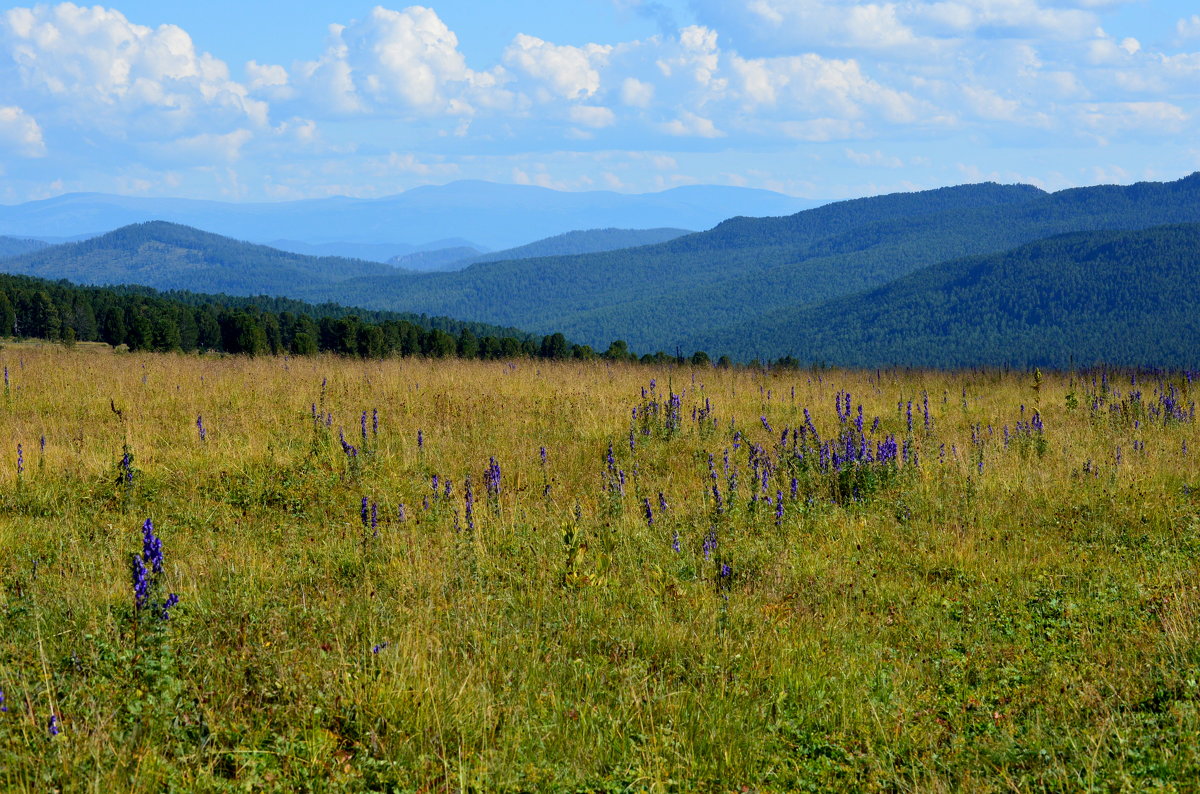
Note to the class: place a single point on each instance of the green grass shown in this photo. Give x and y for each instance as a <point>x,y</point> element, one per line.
<point>1029,626</point>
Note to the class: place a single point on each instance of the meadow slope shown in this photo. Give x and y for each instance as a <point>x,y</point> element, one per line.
<point>709,579</point>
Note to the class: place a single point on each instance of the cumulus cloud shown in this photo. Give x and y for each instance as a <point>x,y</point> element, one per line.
<point>1188,27</point>
<point>19,132</point>
<point>691,125</point>
<point>561,71</point>
<point>94,68</point>
<point>393,61</point>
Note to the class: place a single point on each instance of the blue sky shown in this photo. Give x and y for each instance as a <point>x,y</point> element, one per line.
<point>274,100</point>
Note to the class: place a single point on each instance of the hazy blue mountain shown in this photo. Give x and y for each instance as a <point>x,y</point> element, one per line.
<point>452,258</point>
<point>587,241</point>
<point>492,215</point>
<point>566,244</point>
<point>14,246</point>
<point>173,257</point>
<point>1119,297</point>
<point>735,288</point>
<point>370,252</point>
<point>676,293</point>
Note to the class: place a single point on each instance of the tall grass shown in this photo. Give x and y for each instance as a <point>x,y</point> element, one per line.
<point>980,614</point>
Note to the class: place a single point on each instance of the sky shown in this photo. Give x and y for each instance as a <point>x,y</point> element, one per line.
<point>826,99</point>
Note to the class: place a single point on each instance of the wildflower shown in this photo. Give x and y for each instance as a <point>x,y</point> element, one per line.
<point>491,479</point>
<point>710,543</point>
<point>420,440</point>
<point>542,453</point>
<point>365,513</point>
<point>151,547</point>
<point>648,511</point>
<point>469,502</point>
<point>53,726</point>
<point>374,421</point>
<point>20,461</point>
<point>200,427</point>
<point>3,706</point>
<point>766,424</point>
<point>778,508</point>
<point>42,444</point>
<point>662,502</point>
<point>364,426</point>
<point>401,514</point>
<point>674,547</point>
<point>171,601</point>
<point>379,647</point>
<point>375,518</point>
<point>141,582</point>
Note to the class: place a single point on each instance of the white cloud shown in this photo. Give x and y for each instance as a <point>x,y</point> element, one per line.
<point>562,71</point>
<point>635,93</point>
<point>91,67</point>
<point>20,132</point>
<point>592,116</point>
<point>1188,27</point>
<point>809,85</point>
<point>875,158</point>
<point>1154,118</point>
<point>394,61</point>
<point>988,104</point>
<point>690,125</point>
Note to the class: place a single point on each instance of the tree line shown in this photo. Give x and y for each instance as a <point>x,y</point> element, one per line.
<point>141,318</point>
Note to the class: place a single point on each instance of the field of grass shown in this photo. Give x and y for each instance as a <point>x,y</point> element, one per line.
<point>693,589</point>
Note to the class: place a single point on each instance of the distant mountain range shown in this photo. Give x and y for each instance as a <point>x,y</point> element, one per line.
<point>588,241</point>
<point>483,215</point>
<point>173,257</point>
<point>963,275</point>
<point>720,288</point>
<point>14,246</point>
<point>1127,298</point>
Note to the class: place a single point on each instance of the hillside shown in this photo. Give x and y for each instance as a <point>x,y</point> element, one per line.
<point>736,288</point>
<point>15,246</point>
<point>1124,298</point>
<point>491,215</point>
<point>677,293</point>
<point>588,241</point>
<point>452,258</point>
<point>169,256</point>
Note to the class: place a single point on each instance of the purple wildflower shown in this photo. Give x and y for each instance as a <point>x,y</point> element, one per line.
<point>141,582</point>
<point>20,461</point>
<point>365,514</point>
<point>200,427</point>
<point>491,479</point>
<point>171,601</point>
<point>379,647</point>
<point>649,513</point>
<point>151,547</point>
<point>53,726</point>
<point>374,421</point>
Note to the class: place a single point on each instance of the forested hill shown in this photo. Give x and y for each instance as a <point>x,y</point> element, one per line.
<point>676,293</point>
<point>1124,298</point>
<point>170,256</point>
<point>15,246</point>
<point>587,241</point>
<point>145,319</point>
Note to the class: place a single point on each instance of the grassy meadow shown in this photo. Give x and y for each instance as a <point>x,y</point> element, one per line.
<point>695,589</point>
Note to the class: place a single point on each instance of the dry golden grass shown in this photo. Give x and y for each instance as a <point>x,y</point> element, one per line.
<point>1030,624</point>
